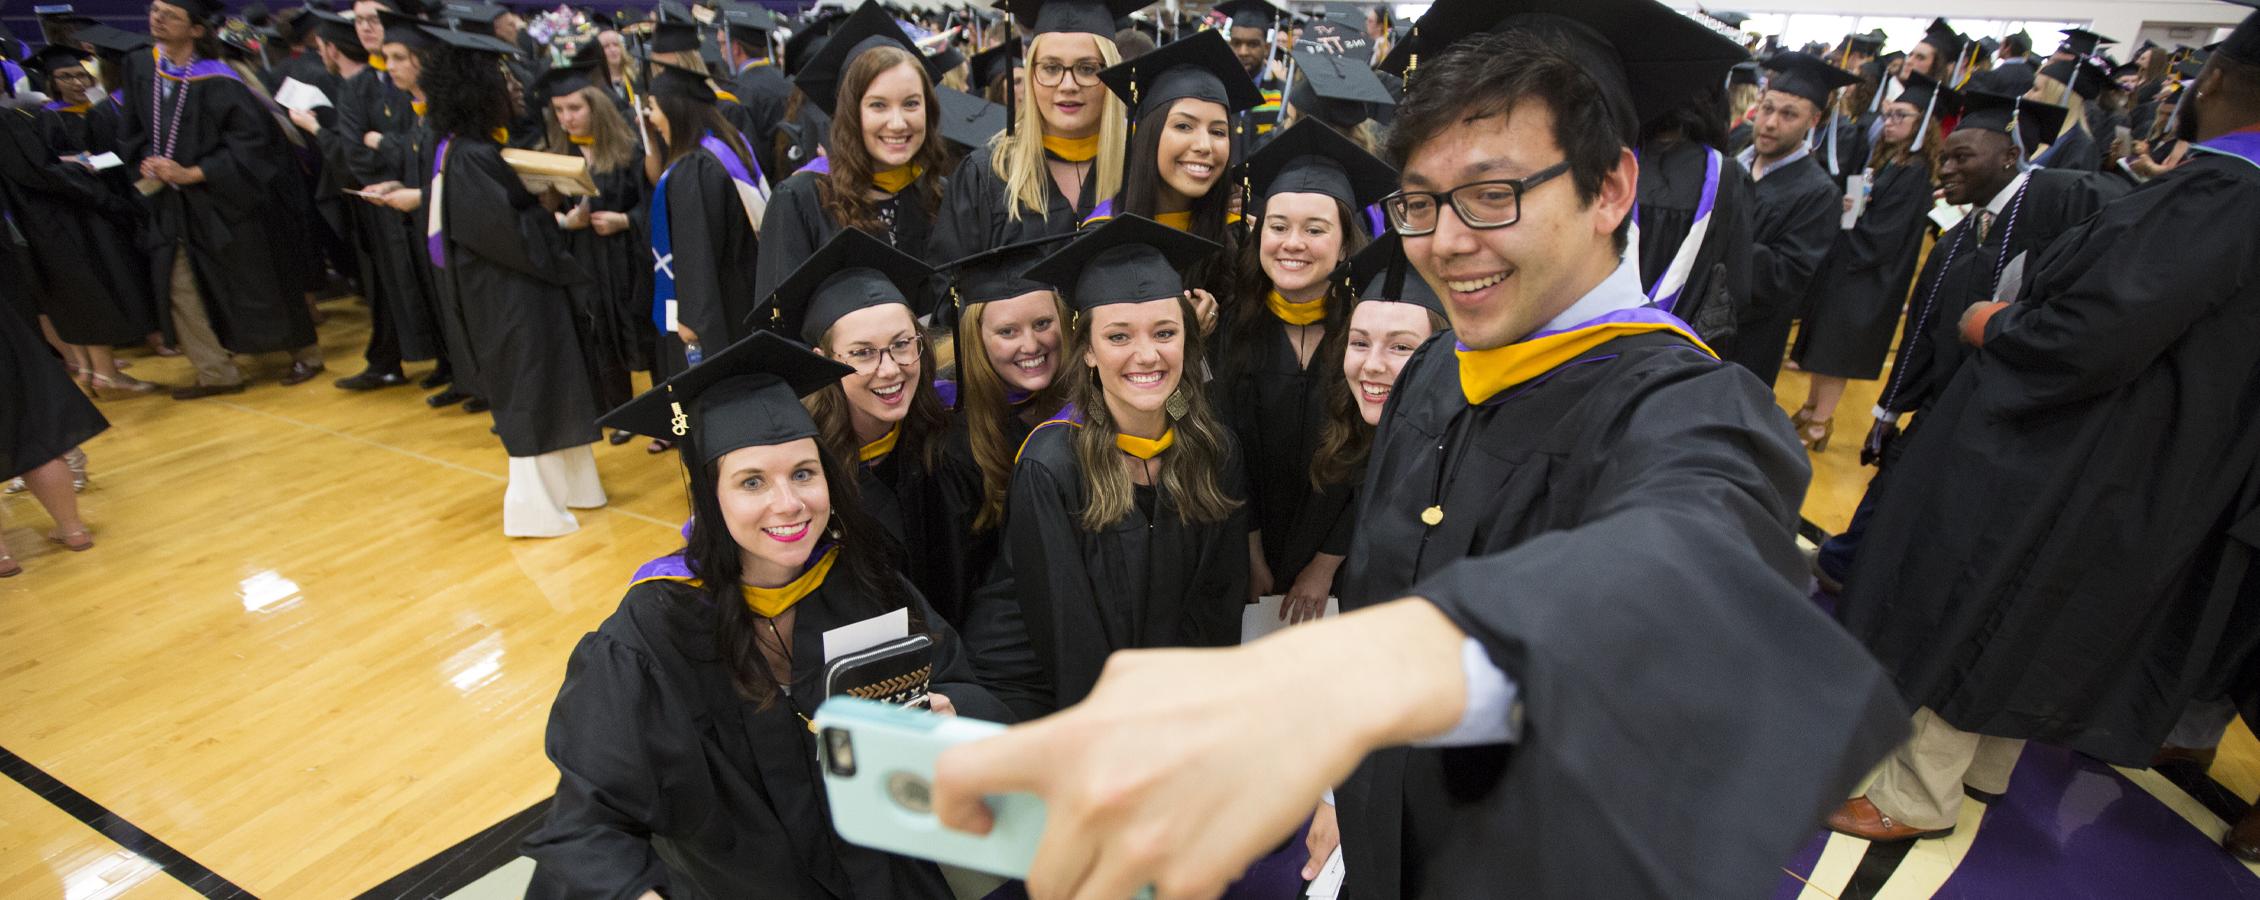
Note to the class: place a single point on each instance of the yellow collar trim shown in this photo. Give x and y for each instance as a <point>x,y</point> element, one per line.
<point>1294,312</point>
<point>1183,221</point>
<point>772,602</point>
<point>1485,374</point>
<point>894,180</point>
<point>721,94</point>
<point>500,135</point>
<point>880,448</point>
<point>377,62</point>
<point>581,140</point>
<point>1143,448</point>
<point>417,105</point>
<point>1073,149</point>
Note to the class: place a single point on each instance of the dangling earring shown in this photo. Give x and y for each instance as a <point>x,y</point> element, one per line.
<point>1176,406</point>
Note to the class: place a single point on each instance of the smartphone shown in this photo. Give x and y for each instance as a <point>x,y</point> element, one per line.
<point>878,762</point>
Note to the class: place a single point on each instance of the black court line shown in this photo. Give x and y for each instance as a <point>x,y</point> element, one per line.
<point>2200,786</point>
<point>1876,868</point>
<point>172,862</point>
<point>471,859</point>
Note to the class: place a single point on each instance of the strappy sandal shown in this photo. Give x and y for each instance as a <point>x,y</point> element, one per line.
<point>123,383</point>
<point>78,541</point>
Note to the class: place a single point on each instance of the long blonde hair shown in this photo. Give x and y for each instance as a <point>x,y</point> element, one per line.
<point>1188,469</point>
<point>1017,157</point>
<point>614,147</point>
<point>2059,93</point>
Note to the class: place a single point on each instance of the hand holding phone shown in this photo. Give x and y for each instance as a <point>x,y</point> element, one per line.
<point>878,761</point>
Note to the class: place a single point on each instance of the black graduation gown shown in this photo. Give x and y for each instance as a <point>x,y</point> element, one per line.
<point>717,279</point>
<point>1959,272</point>
<point>1738,138</point>
<point>1151,580</point>
<point>668,780</point>
<point>1670,190</point>
<point>928,511</point>
<point>1852,309</point>
<point>79,233</point>
<point>976,211</point>
<point>796,225</point>
<point>2087,513</point>
<point>616,319</point>
<point>390,244</point>
<point>1275,406</point>
<point>1797,218</point>
<point>42,413</point>
<point>763,90</point>
<point>1619,536</point>
<point>2074,150</point>
<point>239,240</point>
<point>509,278</point>
<point>419,144</point>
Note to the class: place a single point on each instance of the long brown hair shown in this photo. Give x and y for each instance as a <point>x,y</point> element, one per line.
<point>922,427</point>
<point>1211,212</point>
<point>614,147</point>
<point>845,191</point>
<point>1246,317</point>
<point>988,413</point>
<point>1344,439</point>
<point>688,121</point>
<point>1189,467</point>
<point>1897,154</point>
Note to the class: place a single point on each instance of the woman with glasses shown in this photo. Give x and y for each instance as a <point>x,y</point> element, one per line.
<point>1185,99</point>
<point>1275,356</point>
<point>1852,310</point>
<point>858,301</point>
<point>1125,526</point>
<point>882,172</point>
<point>1064,151</point>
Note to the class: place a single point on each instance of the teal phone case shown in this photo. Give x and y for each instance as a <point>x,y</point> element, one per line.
<point>885,802</point>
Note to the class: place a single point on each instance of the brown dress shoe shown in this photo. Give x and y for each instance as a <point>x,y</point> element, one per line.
<point>201,391</point>
<point>2243,839</point>
<point>2199,757</point>
<point>1859,818</point>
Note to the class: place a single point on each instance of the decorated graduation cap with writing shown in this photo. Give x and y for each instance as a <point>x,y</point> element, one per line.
<point>748,395</point>
<point>852,271</point>
<point>1383,274</point>
<point>1129,259</point>
<point>1200,67</point>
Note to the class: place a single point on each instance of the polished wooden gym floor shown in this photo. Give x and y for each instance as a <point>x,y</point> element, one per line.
<point>302,660</point>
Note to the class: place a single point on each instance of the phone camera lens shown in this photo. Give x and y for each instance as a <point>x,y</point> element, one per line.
<point>839,752</point>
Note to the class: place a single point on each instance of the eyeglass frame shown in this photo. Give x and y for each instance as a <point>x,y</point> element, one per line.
<point>1392,205</point>
<point>1065,72</point>
<point>917,352</point>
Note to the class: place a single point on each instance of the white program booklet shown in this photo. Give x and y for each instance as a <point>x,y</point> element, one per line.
<point>1328,884</point>
<point>296,94</point>
<point>1262,617</point>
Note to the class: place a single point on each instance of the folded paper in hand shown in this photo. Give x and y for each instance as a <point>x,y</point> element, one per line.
<point>1262,617</point>
<point>296,94</point>
<point>565,174</point>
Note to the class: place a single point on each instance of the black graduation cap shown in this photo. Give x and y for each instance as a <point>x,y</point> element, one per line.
<point>1339,91</point>
<point>466,40</point>
<point>1745,73</point>
<point>2243,44</point>
<point>1128,259</point>
<point>1201,66</point>
<point>751,24</point>
<point>108,41</point>
<point>1652,54</point>
<point>1310,157</point>
<point>941,62</point>
<point>1988,46</point>
<point>2082,42</point>
<point>567,78</point>
<point>1381,272</point>
<point>2083,75</point>
<point>1252,13</point>
<point>1943,38</point>
<point>56,56</point>
<point>995,62</point>
<point>1868,44</point>
<point>2037,123</point>
<point>333,28</point>
<point>851,271</point>
<point>748,395</point>
<point>1074,16</point>
<point>406,30</point>
<point>670,80</point>
<point>675,37</point>
<point>1922,92</point>
<point>810,38</point>
<point>868,27</point>
<point>1806,76</point>
<point>995,274</point>
<point>672,11</point>
<point>969,121</point>
<point>469,13</point>
<point>1732,20</point>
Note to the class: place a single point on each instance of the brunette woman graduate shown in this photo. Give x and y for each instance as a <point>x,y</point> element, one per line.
<point>687,767</point>
<point>1276,355</point>
<point>1125,526</point>
<point>603,233</point>
<point>706,214</point>
<point>882,174</point>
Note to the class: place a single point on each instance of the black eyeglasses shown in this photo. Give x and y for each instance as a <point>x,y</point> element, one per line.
<point>1481,205</point>
<point>1049,74</point>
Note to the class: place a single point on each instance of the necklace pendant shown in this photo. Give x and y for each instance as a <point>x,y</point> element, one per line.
<point>1432,516</point>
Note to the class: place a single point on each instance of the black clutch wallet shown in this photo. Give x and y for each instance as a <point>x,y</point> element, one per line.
<point>898,671</point>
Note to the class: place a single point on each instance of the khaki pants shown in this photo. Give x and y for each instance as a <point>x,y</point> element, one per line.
<point>1921,784</point>
<point>192,323</point>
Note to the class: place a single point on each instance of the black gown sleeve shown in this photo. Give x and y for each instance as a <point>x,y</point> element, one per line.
<point>239,173</point>
<point>791,231</point>
<point>607,735</point>
<point>699,194</point>
<point>1051,582</point>
<point>1780,269</point>
<point>953,669</point>
<point>1895,218</point>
